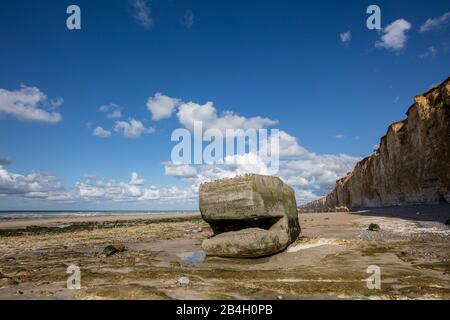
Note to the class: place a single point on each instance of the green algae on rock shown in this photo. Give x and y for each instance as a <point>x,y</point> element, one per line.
<point>113,249</point>
<point>373,227</point>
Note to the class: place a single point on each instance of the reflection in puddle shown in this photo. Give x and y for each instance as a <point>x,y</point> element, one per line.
<point>192,259</point>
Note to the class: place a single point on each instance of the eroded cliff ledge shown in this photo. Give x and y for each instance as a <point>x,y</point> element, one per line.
<point>411,165</point>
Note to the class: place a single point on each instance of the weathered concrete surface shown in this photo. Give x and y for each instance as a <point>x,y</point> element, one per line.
<point>411,165</point>
<point>251,216</point>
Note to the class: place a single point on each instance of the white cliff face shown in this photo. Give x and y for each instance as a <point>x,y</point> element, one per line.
<point>411,166</point>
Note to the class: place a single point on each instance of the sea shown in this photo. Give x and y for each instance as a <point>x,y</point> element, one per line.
<point>25,215</point>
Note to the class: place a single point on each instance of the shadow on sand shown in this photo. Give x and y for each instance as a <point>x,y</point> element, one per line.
<point>429,212</point>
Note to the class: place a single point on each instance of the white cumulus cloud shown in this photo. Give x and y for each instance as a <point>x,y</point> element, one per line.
<point>132,128</point>
<point>190,112</point>
<point>102,133</point>
<point>312,175</point>
<point>289,146</point>
<point>315,172</point>
<point>47,187</point>
<point>394,35</point>
<point>180,170</point>
<point>27,185</point>
<point>29,104</point>
<point>113,111</point>
<point>135,180</point>
<point>162,106</point>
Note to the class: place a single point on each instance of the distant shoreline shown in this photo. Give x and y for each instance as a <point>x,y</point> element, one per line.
<point>54,220</point>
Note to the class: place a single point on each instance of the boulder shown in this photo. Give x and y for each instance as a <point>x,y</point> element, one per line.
<point>251,216</point>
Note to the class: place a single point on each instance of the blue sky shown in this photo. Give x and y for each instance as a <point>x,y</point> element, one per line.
<point>332,86</point>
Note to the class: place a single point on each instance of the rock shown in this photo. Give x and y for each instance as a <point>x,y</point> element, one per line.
<point>251,216</point>
<point>447,223</point>
<point>374,227</point>
<point>411,165</point>
<point>183,281</point>
<point>113,249</point>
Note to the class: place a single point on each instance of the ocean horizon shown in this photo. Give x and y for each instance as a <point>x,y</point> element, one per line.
<point>47,214</point>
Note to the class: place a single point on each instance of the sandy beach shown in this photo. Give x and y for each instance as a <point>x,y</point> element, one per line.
<point>328,261</point>
<point>52,222</point>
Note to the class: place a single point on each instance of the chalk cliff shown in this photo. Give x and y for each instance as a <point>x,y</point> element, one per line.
<point>411,165</point>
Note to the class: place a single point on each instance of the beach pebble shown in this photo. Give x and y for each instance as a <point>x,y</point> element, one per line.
<point>183,281</point>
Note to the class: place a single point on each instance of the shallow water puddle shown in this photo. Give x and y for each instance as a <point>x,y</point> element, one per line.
<point>192,259</point>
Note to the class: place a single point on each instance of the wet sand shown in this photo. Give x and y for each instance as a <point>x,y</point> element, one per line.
<point>329,260</point>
